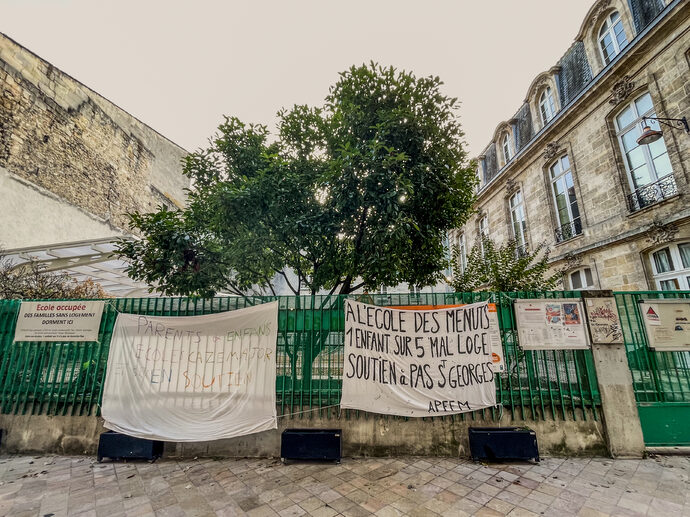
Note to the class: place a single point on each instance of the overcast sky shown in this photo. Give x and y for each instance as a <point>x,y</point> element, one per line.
<point>179,66</point>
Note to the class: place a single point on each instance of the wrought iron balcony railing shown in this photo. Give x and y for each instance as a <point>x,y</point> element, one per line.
<point>569,230</point>
<point>653,193</point>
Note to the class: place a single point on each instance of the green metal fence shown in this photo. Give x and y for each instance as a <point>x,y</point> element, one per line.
<point>67,378</point>
<point>661,380</point>
<point>657,376</point>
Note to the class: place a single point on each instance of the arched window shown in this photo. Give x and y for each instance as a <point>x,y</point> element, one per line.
<point>505,146</point>
<point>581,279</point>
<point>517,219</point>
<point>648,166</point>
<point>547,108</point>
<point>612,37</point>
<point>671,267</point>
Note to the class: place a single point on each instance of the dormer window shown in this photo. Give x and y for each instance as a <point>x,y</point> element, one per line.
<point>547,107</point>
<point>612,37</point>
<point>505,147</point>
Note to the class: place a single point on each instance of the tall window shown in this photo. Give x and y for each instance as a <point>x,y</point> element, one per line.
<point>462,252</point>
<point>449,255</point>
<point>648,166</point>
<point>483,232</point>
<point>581,279</point>
<point>565,201</point>
<point>547,108</point>
<point>612,38</point>
<point>517,218</point>
<point>671,267</point>
<point>505,145</point>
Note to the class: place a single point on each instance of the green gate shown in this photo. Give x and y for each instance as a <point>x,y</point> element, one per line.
<point>661,380</point>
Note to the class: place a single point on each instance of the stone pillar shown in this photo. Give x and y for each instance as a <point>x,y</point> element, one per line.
<point>621,420</point>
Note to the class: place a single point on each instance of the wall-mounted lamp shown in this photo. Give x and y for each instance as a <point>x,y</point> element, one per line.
<point>650,135</point>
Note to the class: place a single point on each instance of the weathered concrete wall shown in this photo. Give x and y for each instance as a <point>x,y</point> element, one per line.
<point>53,434</point>
<point>58,135</point>
<point>623,429</point>
<point>32,216</point>
<point>375,435</point>
<point>366,436</point>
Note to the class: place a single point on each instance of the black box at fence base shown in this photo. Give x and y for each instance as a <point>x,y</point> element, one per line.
<point>117,446</point>
<point>503,443</point>
<point>311,444</point>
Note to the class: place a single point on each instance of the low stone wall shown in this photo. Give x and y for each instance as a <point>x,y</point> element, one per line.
<point>370,435</point>
<point>50,434</point>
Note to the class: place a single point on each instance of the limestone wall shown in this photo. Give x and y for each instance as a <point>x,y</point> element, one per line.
<point>65,142</point>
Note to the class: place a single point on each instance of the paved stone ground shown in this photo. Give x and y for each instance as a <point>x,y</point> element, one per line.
<point>51,486</point>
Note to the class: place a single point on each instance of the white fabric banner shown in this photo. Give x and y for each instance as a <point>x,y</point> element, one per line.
<point>193,378</point>
<point>418,363</point>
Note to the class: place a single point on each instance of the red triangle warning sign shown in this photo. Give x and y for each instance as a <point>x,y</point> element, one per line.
<point>650,312</point>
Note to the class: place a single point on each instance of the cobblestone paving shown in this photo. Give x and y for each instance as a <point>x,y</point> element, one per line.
<point>53,486</point>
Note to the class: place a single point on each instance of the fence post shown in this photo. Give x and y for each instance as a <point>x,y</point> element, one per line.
<point>619,407</point>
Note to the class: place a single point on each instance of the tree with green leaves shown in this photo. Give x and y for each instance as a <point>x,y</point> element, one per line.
<point>509,267</point>
<point>356,193</point>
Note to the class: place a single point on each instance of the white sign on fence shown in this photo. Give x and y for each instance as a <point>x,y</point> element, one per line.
<point>59,321</point>
<point>557,324</point>
<point>667,323</point>
<point>418,363</point>
<point>193,378</point>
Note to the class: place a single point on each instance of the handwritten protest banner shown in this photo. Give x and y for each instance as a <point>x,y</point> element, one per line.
<point>59,321</point>
<point>418,363</point>
<point>494,329</point>
<point>193,378</point>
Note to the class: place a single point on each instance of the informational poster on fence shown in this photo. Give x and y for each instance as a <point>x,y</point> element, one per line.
<point>604,323</point>
<point>418,362</point>
<point>193,378</point>
<point>59,321</point>
<point>667,323</point>
<point>557,324</point>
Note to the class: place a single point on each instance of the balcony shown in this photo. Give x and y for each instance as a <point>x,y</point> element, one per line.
<point>569,230</point>
<point>653,193</point>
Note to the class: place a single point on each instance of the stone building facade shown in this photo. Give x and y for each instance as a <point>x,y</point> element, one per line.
<point>72,163</point>
<point>566,169</point>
